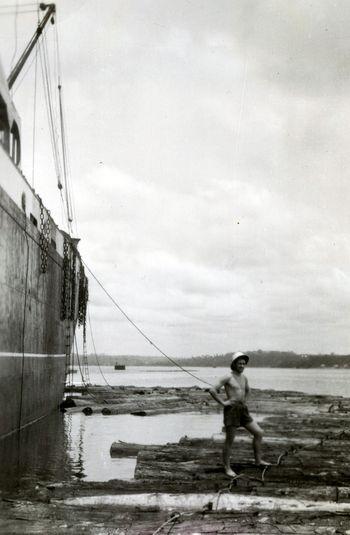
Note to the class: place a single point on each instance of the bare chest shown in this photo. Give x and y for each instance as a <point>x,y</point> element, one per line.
<point>236,387</point>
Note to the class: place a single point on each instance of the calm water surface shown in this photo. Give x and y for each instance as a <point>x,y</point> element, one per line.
<point>331,381</point>
<point>71,446</point>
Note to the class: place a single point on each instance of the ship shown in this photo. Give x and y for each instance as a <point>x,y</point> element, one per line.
<point>43,286</point>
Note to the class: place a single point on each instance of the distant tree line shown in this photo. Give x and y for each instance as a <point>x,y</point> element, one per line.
<point>276,359</point>
<point>258,359</point>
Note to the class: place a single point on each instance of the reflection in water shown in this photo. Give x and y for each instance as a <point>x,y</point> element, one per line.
<point>100,431</point>
<point>36,453</point>
<point>76,446</point>
<point>64,447</point>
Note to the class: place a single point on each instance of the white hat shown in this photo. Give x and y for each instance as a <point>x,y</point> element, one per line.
<point>239,355</point>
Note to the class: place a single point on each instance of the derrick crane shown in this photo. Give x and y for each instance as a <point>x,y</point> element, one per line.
<point>51,10</point>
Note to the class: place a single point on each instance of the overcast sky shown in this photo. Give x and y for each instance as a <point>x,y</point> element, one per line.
<point>210,162</point>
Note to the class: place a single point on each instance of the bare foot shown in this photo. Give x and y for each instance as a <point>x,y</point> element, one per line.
<point>229,472</point>
<point>262,463</point>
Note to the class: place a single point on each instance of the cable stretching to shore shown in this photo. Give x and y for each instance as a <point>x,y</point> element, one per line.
<point>140,330</point>
<point>96,357</point>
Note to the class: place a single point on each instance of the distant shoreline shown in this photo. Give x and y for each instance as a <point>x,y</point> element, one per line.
<point>258,359</point>
<point>185,365</point>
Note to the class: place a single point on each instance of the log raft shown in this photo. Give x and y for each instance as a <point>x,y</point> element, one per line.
<point>149,401</point>
<point>181,489</point>
<point>307,442</point>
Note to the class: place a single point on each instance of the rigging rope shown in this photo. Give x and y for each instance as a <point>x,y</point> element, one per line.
<point>49,79</point>
<point>55,114</point>
<point>141,331</point>
<point>81,373</point>
<point>64,158</point>
<point>19,6</point>
<point>19,12</point>
<point>48,101</point>
<point>96,357</point>
<point>16,36</point>
<point>64,145</point>
<point>34,115</point>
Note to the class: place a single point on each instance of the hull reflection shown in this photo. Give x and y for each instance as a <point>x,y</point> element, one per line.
<point>36,453</point>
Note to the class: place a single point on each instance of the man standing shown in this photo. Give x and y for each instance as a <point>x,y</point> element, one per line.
<point>236,412</point>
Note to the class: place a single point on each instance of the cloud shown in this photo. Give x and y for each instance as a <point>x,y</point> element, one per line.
<point>210,166</point>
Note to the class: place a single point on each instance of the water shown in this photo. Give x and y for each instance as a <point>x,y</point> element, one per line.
<point>71,446</point>
<point>330,381</point>
<point>38,453</point>
<point>91,438</point>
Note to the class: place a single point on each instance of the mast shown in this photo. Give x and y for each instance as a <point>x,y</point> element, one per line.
<point>51,9</point>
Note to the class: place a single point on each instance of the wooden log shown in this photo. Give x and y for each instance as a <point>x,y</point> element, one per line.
<point>81,402</point>
<point>194,470</point>
<point>176,461</point>
<point>216,483</point>
<point>200,502</point>
<point>127,449</point>
<point>154,412</point>
<point>279,443</point>
<point>152,401</point>
<point>343,494</point>
<point>319,492</point>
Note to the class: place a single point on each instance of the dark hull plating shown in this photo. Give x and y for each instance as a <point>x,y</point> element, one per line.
<point>30,388</point>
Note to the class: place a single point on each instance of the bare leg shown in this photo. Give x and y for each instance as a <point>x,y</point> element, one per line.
<point>257,433</point>
<point>226,453</point>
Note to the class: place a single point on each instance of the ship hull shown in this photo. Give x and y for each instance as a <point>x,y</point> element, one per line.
<point>35,336</point>
<point>31,386</point>
<point>39,451</point>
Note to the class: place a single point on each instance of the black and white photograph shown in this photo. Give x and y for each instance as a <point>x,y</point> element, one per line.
<point>175,267</point>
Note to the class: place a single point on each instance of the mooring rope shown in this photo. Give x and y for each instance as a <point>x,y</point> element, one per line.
<point>174,517</point>
<point>141,331</point>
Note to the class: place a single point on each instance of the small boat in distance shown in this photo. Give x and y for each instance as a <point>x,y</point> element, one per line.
<point>119,366</point>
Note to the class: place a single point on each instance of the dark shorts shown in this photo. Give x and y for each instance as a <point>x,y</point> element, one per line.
<point>237,415</point>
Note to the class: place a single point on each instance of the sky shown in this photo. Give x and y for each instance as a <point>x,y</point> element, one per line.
<point>209,166</point>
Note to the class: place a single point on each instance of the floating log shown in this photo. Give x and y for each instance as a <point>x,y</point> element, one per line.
<point>157,400</point>
<point>68,402</point>
<point>127,449</point>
